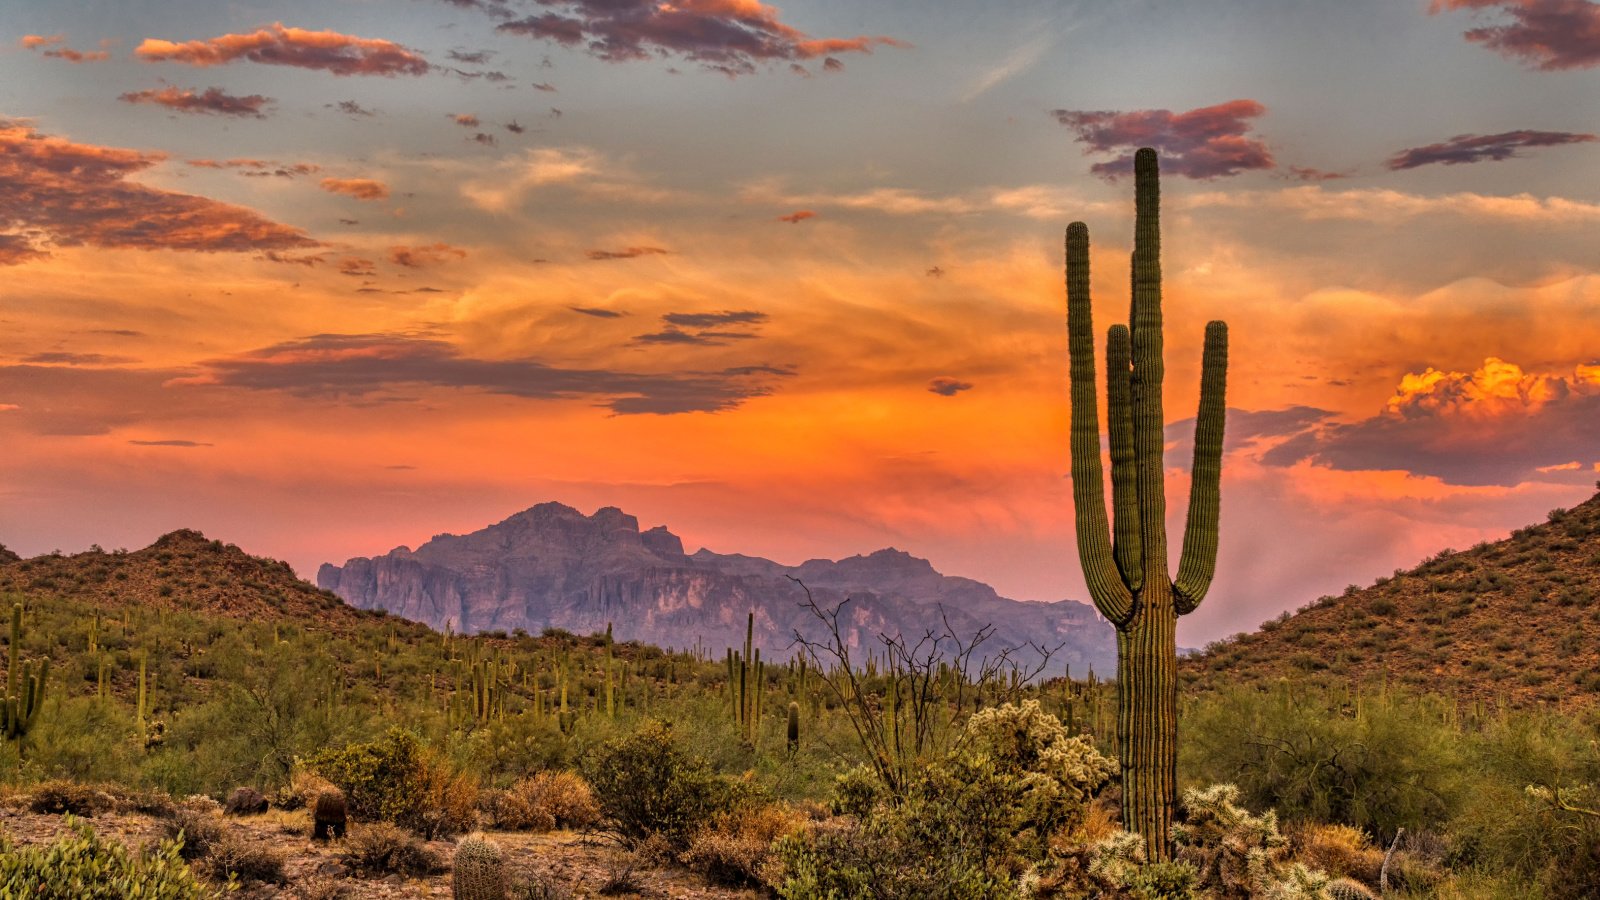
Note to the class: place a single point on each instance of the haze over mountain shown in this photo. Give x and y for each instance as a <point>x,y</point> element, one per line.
<point>552,566</point>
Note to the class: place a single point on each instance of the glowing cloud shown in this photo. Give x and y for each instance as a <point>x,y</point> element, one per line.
<point>1549,35</point>
<point>425,255</point>
<point>359,188</point>
<point>55,191</point>
<point>1208,142</point>
<point>727,36</point>
<point>277,45</point>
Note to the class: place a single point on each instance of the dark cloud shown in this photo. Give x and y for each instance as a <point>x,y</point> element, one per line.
<point>1245,429</point>
<point>257,168</point>
<point>625,253</point>
<point>597,312</point>
<point>57,192</point>
<point>727,36</point>
<point>351,108</point>
<point>171,443</point>
<point>329,51</point>
<point>1549,35</point>
<point>934,272</point>
<point>711,320</point>
<point>1471,148</point>
<point>513,127</point>
<point>64,358</point>
<point>1209,142</point>
<point>1495,426</point>
<point>798,216</point>
<point>357,267</point>
<point>472,58</point>
<point>484,138</point>
<point>543,86</point>
<point>424,255</point>
<point>948,387</point>
<point>1306,173</point>
<point>211,101</point>
<point>369,366</point>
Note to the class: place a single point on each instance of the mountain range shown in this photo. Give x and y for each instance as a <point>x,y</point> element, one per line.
<point>553,567</point>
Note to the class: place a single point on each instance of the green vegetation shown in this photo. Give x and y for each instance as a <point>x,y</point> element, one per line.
<point>1125,563</point>
<point>80,865</point>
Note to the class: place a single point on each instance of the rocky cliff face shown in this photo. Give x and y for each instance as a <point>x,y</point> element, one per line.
<point>552,566</point>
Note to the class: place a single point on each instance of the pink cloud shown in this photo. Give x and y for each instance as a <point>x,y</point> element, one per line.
<point>728,36</point>
<point>1549,35</point>
<point>1208,142</point>
<point>58,50</point>
<point>278,45</point>
<point>57,192</point>
<point>211,101</point>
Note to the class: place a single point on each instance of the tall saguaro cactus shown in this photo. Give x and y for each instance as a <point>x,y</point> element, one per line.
<point>1125,563</point>
<point>24,685</point>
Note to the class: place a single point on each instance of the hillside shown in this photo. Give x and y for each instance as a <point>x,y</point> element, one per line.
<point>1516,621</point>
<point>181,570</point>
<point>552,566</point>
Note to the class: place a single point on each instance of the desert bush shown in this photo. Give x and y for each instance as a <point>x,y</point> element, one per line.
<point>1339,850</point>
<point>396,779</point>
<point>563,798</point>
<point>70,798</point>
<point>235,857</point>
<point>80,865</point>
<point>301,790</point>
<point>974,823</point>
<point>195,833</point>
<point>384,849</point>
<point>734,848</point>
<point>645,785</point>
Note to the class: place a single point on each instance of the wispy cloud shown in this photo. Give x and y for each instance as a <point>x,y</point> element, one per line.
<point>1019,60</point>
<point>1471,148</point>
<point>277,45</point>
<point>211,101</point>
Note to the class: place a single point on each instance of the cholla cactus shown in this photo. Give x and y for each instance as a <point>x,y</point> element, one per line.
<point>1116,860</point>
<point>480,870</point>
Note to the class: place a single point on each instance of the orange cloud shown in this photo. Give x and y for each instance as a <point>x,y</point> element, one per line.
<point>798,216</point>
<point>359,188</point>
<point>425,255</point>
<point>57,192</point>
<point>625,253</point>
<point>278,45</point>
<point>212,101</point>
<point>58,51</point>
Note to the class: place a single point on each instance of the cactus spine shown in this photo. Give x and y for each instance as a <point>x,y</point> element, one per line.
<point>1125,562</point>
<point>24,685</point>
<point>480,870</point>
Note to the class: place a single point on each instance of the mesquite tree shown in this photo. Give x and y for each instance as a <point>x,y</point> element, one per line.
<point>1125,563</point>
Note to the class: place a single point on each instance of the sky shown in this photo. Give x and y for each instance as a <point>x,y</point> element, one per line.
<point>324,278</point>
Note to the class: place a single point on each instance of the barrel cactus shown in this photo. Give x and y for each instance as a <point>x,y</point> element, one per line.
<point>480,870</point>
<point>329,815</point>
<point>1348,889</point>
<point>1125,562</point>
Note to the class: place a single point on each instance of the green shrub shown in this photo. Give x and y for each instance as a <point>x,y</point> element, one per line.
<point>646,786</point>
<point>82,866</point>
<point>395,779</point>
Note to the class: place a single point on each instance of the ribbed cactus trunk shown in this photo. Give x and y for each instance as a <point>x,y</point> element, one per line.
<point>1125,561</point>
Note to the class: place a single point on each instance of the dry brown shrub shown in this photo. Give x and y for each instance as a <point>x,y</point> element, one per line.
<point>449,800</point>
<point>734,848</point>
<point>250,860</point>
<point>384,849</point>
<point>1338,850</point>
<point>302,790</point>
<point>550,800</point>
<point>70,798</point>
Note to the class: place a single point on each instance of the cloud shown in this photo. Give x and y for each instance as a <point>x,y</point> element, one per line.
<point>1549,35</point>
<point>57,192</point>
<point>798,216</point>
<point>1497,425</point>
<point>1208,142</point>
<point>369,366</point>
<point>212,101</point>
<point>625,253</point>
<point>171,443</point>
<point>359,188</point>
<point>351,108</point>
<point>484,138</point>
<point>64,358</point>
<point>948,387</point>
<point>597,312</point>
<point>473,58</point>
<point>513,127</point>
<point>708,320</point>
<point>1471,148</point>
<point>1313,203</point>
<point>257,168</point>
<point>544,86</point>
<point>727,36</point>
<point>357,267</point>
<point>328,51</point>
<point>1307,173</point>
<point>425,255</point>
<point>465,120</point>
<point>58,49</point>
<point>1016,62</point>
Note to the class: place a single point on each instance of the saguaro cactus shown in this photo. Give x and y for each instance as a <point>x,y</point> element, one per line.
<point>1125,563</point>
<point>24,685</point>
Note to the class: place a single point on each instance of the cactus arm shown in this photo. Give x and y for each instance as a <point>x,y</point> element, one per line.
<point>1199,561</point>
<point>1111,596</point>
<point>1149,427</point>
<point>1119,425</point>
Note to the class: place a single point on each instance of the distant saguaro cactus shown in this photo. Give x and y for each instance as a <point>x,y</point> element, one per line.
<point>479,870</point>
<point>1125,563</point>
<point>24,685</point>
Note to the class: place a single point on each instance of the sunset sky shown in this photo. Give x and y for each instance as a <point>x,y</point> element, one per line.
<point>322,278</point>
